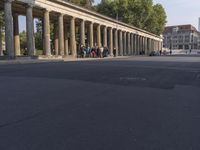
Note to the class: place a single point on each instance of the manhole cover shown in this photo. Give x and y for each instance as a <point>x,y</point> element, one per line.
<point>132,79</point>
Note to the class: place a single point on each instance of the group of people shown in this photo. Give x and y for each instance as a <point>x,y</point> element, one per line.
<point>94,52</point>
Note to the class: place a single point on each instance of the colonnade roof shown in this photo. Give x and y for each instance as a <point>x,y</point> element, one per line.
<point>113,22</point>
<point>65,2</point>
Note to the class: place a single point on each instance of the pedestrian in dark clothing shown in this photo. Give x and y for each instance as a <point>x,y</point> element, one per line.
<point>105,52</point>
<point>114,52</point>
<point>82,51</point>
<point>98,52</point>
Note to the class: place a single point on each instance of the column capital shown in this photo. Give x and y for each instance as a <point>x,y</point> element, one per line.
<point>72,17</point>
<point>29,5</point>
<point>46,10</point>
<point>61,14</point>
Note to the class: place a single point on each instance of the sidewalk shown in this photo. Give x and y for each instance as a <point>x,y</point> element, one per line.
<point>68,59</point>
<point>29,60</point>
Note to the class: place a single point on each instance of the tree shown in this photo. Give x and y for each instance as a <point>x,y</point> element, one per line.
<point>38,35</point>
<point>160,17</point>
<point>84,3</point>
<point>23,43</point>
<point>1,18</point>
<point>139,13</point>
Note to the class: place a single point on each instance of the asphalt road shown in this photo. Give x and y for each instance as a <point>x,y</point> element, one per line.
<point>120,104</point>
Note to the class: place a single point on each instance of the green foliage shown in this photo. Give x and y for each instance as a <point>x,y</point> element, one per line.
<point>1,18</point>
<point>38,35</point>
<point>1,25</point>
<point>84,3</point>
<point>140,13</point>
<point>160,18</point>
<point>23,44</point>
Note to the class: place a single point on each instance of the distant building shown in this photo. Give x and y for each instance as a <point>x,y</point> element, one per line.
<point>181,37</point>
<point>199,25</point>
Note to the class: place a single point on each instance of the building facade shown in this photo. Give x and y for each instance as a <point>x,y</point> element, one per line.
<point>199,25</point>
<point>181,37</point>
<point>94,29</point>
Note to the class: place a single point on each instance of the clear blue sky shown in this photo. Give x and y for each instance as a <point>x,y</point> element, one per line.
<point>178,12</point>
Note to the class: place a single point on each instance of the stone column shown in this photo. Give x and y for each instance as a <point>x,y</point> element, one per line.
<point>66,40</point>
<point>129,43</point>
<point>124,51</point>
<point>111,41</point>
<point>152,44</point>
<point>46,29</point>
<point>160,48</point>
<point>9,29</point>
<point>120,43</point>
<point>105,42</point>
<point>145,45</point>
<point>16,35</point>
<point>139,44</point>
<point>83,32</point>
<point>142,43</point>
<point>99,35</point>
<point>149,47</point>
<point>149,50</point>
<point>116,41</point>
<point>73,37</point>
<point>91,35</point>
<point>1,45</point>
<point>56,38</point>
<point>61,34</point>
<point>135,44</point>
<point>140,49</point>
<point>157,47</point>
<point>29,29</point>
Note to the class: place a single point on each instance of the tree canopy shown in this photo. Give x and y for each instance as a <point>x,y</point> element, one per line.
<point>1,18</point>
<point>140,13</point>
<point>84,3</point>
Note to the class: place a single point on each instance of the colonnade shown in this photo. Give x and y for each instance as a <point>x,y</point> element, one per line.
<point>65,37</point>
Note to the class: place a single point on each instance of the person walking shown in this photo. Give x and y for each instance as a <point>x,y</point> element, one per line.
<point>170,52</point>
<point>88,51</point>
<point>101,51</point>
